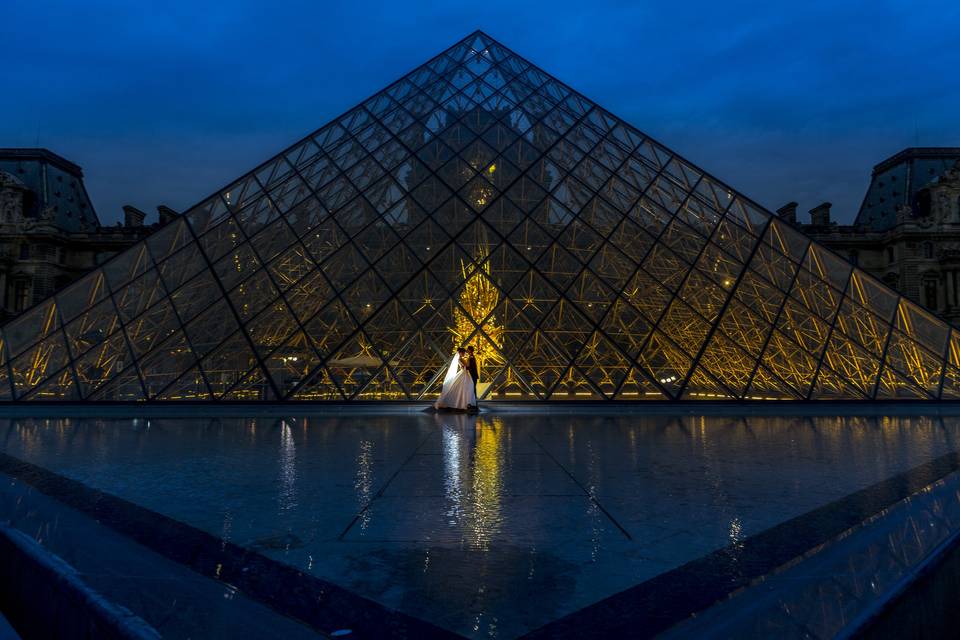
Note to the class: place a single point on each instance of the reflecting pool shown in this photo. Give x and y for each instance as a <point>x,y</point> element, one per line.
<point>491,525</point>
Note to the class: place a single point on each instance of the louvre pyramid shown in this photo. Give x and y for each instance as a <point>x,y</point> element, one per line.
<point>477,201</point>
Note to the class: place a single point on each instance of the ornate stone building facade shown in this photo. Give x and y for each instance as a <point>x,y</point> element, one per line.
<point>907,232</point>
<point>49,230</point>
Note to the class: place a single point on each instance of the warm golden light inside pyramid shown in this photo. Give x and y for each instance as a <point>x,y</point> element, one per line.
<point>478,298</point>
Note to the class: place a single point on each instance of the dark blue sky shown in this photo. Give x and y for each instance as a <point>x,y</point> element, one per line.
<point>164,102</point>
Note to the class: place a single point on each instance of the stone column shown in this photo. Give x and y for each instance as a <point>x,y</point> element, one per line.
<point>951,290</point>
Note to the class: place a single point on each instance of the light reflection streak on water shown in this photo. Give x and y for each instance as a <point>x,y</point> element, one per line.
<point>363,481</point>
<point>596,517</point>
<point>736,532</point>
<point>452,485</point>
<point>288,469</point>
<point>487,483</point>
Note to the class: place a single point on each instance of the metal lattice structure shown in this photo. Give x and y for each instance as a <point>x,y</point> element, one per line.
<point>478,200</point>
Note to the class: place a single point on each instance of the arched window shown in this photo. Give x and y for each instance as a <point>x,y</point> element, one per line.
<point>21,294</point>
<point>928,250</point>
<point>890,254</point>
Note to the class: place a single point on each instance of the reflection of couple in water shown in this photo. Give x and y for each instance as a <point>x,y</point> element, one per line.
<point>459,390</point>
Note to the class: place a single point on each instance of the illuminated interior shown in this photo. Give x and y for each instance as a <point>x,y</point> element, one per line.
<point>477,201</point>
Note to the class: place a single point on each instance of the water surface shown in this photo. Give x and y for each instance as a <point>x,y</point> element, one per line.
<point>489,526</point>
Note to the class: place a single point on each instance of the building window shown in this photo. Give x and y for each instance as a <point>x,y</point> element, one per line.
<point>889,254</point>
<point>24,252</point>
<point>928,250</point>
<point>930,294</point>
<point>854,257</point>
<point>21,292</point>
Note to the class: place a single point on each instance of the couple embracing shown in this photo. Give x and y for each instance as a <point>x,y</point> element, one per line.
<point>459,390</point>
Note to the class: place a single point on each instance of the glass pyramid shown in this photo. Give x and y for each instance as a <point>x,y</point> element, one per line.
<point>478,201</point>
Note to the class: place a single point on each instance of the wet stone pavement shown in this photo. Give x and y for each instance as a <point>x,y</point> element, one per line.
<point>487,526</point>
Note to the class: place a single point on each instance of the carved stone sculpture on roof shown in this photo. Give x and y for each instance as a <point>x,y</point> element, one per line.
<point>11,197</point>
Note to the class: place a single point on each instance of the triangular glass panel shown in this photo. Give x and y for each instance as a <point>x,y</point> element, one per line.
<point>189,386</point>
<point>832,385</point>
<point>320,386</point>
<point>645,293</point>
<point>637,386</point>
<point>507,385</point>
<point>613,266</point>
<point>767,386</point>
<point>894,386</point>
<point>745,328</point>
<point>32,326</point>
<point>60,386</point>
<point>602,363</point>
<point>180,267</point>
<point>951,383</point>
<point>124,386</point>
<point>77,297</point>
<point>390,328</point>
<point>789,362</point>
<point>855,366</point>
<point>210,328</point>
<point>354,365</point>
<point>37,363</point>
<point>92,328</point>
<point>383,386</point>
<point>151,328</point>
<point>254,386</point>
<point>102,363</point>
<point>703,386</point>
<point>685,326</point>
<point>539,362</point>
<point>914,362</point>
<point>419,364</point>
<point>625,327</point>
<point>728,363</point>
<point>291,266</point>
<point>575,385</point>
<point>137,296</point>
<point>921,326</point>
<point>226,365</point>
<point>665,363</point>
<point>165,363</point>
<point>291,364</point>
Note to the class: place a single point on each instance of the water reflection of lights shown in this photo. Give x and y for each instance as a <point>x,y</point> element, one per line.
<point>736,532</point>
<point>487,483</point>
<point>288,468</point>
<point>363,481</point>
<point>452,485</point>
<point>598,520</point>
<point>473,483</point>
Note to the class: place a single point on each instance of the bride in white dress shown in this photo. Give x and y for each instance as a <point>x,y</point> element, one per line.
<point>457,392</point>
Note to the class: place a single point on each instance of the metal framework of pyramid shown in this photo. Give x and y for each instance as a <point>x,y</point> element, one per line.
<point>478,201</point>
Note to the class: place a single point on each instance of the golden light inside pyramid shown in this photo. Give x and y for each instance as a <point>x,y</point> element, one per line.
<point>477,200</point>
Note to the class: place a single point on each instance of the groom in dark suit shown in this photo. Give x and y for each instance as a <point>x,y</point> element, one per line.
<point>473,370</point>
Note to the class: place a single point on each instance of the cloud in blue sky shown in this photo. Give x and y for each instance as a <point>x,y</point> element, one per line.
<point>166,102</point>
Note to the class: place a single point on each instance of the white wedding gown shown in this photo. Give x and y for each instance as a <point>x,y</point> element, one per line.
<point>457,391</point>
